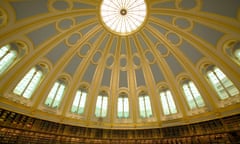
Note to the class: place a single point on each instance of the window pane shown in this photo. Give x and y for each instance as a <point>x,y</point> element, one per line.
<point>53,90</point>
<point>24,82</point>
<point>189,96</point>
<point>74,109</point>
<point>59,96</point>
<point>48,101</point>
<point>148,106</point>
<point>212,78</point>
<point>75,102</point>
<point>120,107</point>
<point>77,98</point>
<point>126,107</point>
<point>233,90</point>
<point>104,106</point>
<point>145,107</point>
<point>142,107</point>
<point>237,54</point>
<point>4,50</point>
<point>229,86</point>
<point>60,92</point>
<point>98,106</point>
<point>197,95</point>
<point>217,85</point>
<point>33,84</point>
<point>55,104</point>
<point>171,103</point>
<point>52,94</point>
<point>80,110</point>
<point>99,102</point>
<point>7,60</point>
<point>83,101</point>
<point>164,103</point>
<point>219,73</point>
<point>79,102</point>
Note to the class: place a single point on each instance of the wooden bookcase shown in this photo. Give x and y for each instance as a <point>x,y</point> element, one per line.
<point>17,128</point>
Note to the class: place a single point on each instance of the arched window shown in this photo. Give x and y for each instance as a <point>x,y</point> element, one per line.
<point>79,102</point>
<point>221,83</point>
<point>192,95</point>
<point>8,55</point>
<point>123,106</point>
<point>168,103</point>
<point>30,82</point>
<point>56,94</point>
<point>101,105</point>
<point>145,106</point>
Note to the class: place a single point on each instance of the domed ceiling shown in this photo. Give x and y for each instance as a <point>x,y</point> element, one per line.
<point>159,48</point>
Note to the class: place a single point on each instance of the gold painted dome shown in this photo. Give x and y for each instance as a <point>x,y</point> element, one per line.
<point>120,64</point>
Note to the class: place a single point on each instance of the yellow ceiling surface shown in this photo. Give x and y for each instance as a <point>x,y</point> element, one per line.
<point>179,41</point>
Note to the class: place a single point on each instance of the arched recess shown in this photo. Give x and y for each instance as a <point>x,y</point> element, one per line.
<point>226,91</point>
<point>10,54</point>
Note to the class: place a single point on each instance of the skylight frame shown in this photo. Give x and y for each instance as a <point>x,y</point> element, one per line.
<point>123,17</point>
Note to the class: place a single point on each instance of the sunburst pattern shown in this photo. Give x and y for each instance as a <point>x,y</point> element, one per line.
<point>123,16</point>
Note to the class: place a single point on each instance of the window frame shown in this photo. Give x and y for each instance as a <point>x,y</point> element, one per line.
<point>147,106</point>
<point>212,69</point>
<point>122,97</point>
<point>13,50</point>
<point>61,83</point>
<point>164,92</point>
<point>29,81</point>
<point>81,90</point>
<point>192,95</point>
<point>104,99</point>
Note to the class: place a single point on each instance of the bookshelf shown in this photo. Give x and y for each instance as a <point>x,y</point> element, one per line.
<point>17,128</point>
<point>232,123</point>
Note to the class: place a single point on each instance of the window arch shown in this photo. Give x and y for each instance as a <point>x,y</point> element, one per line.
<point>123,106</point>
<point>167,101</point>
<point>3,18</point>
<point>9,54</point>
<point>79,101</point>
<point>55,96</point>
<point>221,83</point>
<point>192,95</point>
<point>236,51</point>
<point>145,108</point>
<point>30,82</point>
<point>101,105</point>
<point>232,49</point>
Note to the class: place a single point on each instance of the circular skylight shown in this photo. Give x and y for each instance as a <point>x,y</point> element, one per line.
<point>123,16</point>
